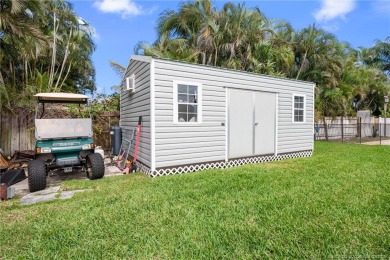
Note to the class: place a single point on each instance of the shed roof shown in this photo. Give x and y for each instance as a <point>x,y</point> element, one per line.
<point>148,59</point>
<point>61,97</point>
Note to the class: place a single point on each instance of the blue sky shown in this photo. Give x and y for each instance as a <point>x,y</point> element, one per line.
<point>120,24</point>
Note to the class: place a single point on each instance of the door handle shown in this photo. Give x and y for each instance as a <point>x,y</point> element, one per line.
<point>256,124</point>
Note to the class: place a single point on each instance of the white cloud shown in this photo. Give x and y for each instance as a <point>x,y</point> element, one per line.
<point>381,6</point>
<point>332,9</point>
<point>124,7</point>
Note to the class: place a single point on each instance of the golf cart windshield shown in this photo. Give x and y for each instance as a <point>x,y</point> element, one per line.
<point>59,121</point>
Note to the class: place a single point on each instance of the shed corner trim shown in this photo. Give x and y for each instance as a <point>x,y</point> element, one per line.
<point>152,117</point>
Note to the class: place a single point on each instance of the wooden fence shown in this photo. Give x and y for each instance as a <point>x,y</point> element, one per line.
<point>102,125</point>
<point>17,130</point>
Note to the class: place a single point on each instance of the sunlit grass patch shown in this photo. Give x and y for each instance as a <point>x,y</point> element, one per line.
<point>335,203</point>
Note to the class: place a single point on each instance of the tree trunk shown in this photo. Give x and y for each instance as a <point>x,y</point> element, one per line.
<point>26,72</point>
<point>300,67</point>
<point>1,79</point>
<point>53,57</point>
<point>66,76</point>
<point>325,128</point>
<point>64,61</point>
<point>215,57</point>
<point>342,128</point>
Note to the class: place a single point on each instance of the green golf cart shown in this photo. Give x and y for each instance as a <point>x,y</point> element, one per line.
<point>62,144</point>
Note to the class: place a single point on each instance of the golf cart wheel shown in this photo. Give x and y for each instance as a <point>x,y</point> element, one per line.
<point>95,166</point>
<point>36,175</point>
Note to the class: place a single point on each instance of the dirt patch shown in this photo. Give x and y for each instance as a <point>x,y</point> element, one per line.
<point>21,188</point>
<point>383,142</point>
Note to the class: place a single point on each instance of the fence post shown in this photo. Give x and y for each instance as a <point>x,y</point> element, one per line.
<point>357,127</point>
<point>380,132</point>
<point>385,108</point>
<point>342,129</point>
<point>360,129</point>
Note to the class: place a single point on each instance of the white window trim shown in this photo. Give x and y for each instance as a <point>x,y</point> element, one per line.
<point>175,102</point>
<point>304,108</point>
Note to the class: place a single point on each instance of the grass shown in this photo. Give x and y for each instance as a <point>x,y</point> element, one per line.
<point>335,204</point>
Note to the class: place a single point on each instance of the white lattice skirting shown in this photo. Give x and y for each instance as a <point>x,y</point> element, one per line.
<point>222,165</point>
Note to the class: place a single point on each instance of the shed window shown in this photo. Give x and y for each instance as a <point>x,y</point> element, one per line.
<point>187,103</point>
<point>299,108</point>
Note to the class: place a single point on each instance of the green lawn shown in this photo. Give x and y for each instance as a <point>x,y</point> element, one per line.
<point>335,204</point>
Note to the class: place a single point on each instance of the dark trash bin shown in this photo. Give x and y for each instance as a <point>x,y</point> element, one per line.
<point>116,139</point>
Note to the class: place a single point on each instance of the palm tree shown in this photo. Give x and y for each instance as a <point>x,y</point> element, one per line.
<point>240,38</point>
<point>234,37</point>
<point>20,42</point>
<point>367,72</point>
<point>118,68</point>
<point>247,40</point>
<point>42,42</point>
<point>378,56</point>
<point>314,48</point>
<point>190,28</point>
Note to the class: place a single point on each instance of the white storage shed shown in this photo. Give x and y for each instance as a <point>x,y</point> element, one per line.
<point>197,117</point>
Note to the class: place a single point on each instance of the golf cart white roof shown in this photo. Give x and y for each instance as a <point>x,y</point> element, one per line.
<point>61,97</point>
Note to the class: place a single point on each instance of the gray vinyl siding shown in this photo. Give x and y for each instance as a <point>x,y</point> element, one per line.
<point>293,137</point>
<point>187,144</point>
<point>206,142</point>
<point>135,105</point>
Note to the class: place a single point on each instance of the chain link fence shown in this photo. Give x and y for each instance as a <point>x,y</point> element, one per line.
<point>376,132</point>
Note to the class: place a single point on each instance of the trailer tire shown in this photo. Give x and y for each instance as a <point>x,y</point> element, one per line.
<point>36,175</point>
<point>95,166</point>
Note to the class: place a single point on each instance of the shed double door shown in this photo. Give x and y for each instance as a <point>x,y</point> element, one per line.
<point>251,123</point>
